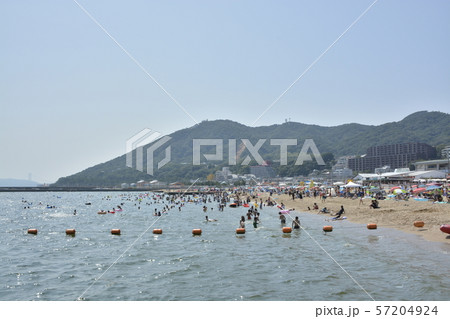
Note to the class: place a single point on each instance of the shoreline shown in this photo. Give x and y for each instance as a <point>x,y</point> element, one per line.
<point>399,215</point>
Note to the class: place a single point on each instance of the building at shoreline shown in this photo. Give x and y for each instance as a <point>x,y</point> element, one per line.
<point>393,155</point>
<point>445,152</point>
<point>433,165</point>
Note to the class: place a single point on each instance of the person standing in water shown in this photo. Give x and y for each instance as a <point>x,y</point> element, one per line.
<point>296,223</point>
<point>255,221</point>
<point>242,222</point>
<point>282,219</point>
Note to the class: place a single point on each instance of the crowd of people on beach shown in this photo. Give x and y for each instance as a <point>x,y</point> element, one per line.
<point>255,201</point>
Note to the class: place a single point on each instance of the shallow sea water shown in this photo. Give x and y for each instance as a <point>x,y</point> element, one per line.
<point>263,264</point>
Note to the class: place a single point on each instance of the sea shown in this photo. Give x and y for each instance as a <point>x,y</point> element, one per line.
<point>351,263</point>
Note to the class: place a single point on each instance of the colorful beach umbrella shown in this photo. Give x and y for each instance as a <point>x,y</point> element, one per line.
<point>419,190</point>
<point>399,191</point>
<point>395,187</point>
<point>432,187</point>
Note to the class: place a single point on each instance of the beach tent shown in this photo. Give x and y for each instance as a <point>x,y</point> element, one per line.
<point>351,184</point>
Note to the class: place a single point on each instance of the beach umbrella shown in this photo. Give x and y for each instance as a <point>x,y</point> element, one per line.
<point>434,184</point>
<point>395,187</point>
<point>398,191</point>
<point>430,188</point>
<point>414,186</point>
<point>419,190</point>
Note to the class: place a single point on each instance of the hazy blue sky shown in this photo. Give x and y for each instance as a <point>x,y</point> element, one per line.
<point>70,97</point>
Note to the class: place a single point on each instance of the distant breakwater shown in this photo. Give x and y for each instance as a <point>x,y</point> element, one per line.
<point>101,189</point>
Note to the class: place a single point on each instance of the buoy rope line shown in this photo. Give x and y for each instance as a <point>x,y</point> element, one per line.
<point>115,261</point>
<point>48,231</point>
<point>340,266</point>
<point>82,232</point>
<point>314,62</point>
<point>135,61</point>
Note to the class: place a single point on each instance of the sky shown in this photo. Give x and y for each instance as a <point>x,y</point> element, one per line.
<point>71,95</point>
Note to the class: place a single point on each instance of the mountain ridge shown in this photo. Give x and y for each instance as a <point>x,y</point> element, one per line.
<point>345,139</point>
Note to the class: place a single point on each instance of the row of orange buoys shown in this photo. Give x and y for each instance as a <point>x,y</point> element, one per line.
<point>198,231</point>
<point>417,223</point>
<point>156,231</point>
<point>71,231</point>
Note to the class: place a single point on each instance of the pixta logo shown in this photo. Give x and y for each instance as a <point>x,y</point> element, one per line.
<point>150,141</point>
<point>138,142</point>
<point>283,144</point>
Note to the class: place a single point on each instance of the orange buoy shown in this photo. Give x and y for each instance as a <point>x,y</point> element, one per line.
<point>240,230</point>
<point>327,228</point>
<point>287,229</point>
<point>70,232</point>
<point>115,231</point>
<point>419,223</point>
<point>157,231</point>
<point>196,232</point>
<point>371,226</point>
<point>32,231</point>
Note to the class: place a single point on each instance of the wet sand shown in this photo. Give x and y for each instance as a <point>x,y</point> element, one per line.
<point>392,213</point>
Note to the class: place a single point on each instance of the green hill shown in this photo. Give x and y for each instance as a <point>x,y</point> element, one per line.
<point>349,139</point>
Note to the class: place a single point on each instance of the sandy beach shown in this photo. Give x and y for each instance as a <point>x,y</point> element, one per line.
<point>399,215</point>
